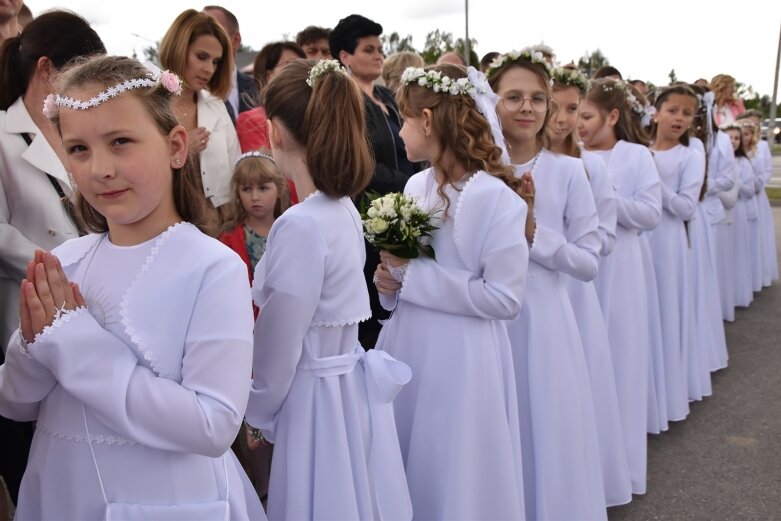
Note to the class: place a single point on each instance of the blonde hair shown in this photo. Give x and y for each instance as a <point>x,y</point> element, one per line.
<point>459,127</point>
<point>723,87</point>
<point>751,147</point>
<point>255,171</point>
<point>394,66</point>
<point>108,71</point>
<point>188,27</point>
<point>328,121</point>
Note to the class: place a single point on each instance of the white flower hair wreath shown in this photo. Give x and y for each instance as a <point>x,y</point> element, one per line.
<point>167,79</point>
<point>321,68</point>
<point>570,77</point>
<point>526,54</point>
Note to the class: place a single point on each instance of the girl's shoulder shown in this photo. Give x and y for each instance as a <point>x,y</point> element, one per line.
<point>181,240</point>
<point>416,185</point>
<point>561,163</point>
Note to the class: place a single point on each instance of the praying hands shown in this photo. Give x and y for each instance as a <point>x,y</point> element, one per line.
<point>46,293</point>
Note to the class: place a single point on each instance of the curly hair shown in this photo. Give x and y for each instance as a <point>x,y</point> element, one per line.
<point>459,127</point>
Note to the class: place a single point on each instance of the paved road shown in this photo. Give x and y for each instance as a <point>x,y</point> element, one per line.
<point>724,461</point>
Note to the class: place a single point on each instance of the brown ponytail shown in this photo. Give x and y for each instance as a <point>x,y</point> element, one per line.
<point>328,120</point>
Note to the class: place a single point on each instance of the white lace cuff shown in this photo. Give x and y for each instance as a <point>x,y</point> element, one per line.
<point>398,272</point>
<point>64,317</point>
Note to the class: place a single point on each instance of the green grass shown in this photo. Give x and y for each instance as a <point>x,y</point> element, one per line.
<point>773,193</point>
<point>776,150</point>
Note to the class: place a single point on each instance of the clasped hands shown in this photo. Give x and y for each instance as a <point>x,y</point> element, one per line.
<point>385,282</point>
<point>527,192</point>
<point>45,294</point>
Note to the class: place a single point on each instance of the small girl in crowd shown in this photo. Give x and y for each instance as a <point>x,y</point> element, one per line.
<point>260,195</point>
<point>322,400</point>
<point>762,160</point>
<point>707,300</point>
<point>745,212</point>
<point>569,86</point>
<point>681,171</point>
<point>135,365</point>
<point>750,132</point>
<point>610,126</point>
<point>448,312</point>
<point>561,456</point>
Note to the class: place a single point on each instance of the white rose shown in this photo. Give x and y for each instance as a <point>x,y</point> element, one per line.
<point>372,212</point>
<point>378,226</point>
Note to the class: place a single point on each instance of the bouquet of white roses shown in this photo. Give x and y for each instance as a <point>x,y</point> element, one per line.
<point>395,223</point>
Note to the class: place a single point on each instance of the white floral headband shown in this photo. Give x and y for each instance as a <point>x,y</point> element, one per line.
<point>169,81</point>
<point>645,112</point>
<point>438,82</point>
<point>526,54</point>
<point>570,77</point>
<point>474,85</point>
<point>321,68</point>
<point>254,153</point>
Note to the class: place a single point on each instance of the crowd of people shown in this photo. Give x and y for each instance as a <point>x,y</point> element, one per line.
<point>194,326</point>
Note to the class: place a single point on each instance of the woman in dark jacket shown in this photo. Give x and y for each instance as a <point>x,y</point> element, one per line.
<point>355,41</point>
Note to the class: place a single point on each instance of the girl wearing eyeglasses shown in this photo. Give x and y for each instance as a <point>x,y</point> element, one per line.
<point>562,470</point>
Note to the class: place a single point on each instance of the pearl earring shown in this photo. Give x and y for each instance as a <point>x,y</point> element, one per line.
<point>178,162</point>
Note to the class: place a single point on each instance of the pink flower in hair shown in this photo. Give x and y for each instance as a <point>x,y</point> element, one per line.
<point>171,82</point>
<point>50,107</point>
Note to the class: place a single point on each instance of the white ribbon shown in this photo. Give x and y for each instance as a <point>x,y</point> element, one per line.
<point>486,101</point>
<point>384,377</point>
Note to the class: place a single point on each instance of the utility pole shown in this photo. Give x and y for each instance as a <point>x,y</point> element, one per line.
<point>772,123</point>
<point>468,44</point>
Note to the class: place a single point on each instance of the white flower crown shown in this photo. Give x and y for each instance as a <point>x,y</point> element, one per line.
<point>570,77</point>
<point>526,54</point>
<point>438,82</point>
<point>645,112</point>
<point>167,79</point>
<point>321,68</point>
<point>254,153</point>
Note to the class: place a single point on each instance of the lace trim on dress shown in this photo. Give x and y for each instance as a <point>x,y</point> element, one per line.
<point>123,308</point>
<point>406,277</point>
<point>341,323</point>
<point>65,316</point>
<point>313,194</point>
<point>101,439</point>
<point>536,229</point>
<point>457,222</point>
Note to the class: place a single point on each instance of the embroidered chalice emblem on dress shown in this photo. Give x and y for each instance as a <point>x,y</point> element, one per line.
<point>101,308</point>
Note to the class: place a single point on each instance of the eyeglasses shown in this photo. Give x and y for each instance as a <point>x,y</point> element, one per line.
<point>515,102</point>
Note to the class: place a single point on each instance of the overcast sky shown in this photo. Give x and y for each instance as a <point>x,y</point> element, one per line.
<point>698,38</point>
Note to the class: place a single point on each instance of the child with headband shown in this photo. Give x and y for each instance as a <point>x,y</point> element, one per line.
<point>458,417</point>
<point>323,401</point>
<point>260,195</point>
<point>135,341</point>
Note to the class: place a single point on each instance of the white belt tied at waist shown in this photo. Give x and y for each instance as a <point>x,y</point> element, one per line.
<point>385,376</point>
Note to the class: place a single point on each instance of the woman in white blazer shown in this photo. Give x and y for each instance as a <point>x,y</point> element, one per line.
<point>33,179</point>
<point>197,49</point>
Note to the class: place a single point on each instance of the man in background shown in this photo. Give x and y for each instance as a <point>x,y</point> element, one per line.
<point>314,41</point>
<point>244,93</point>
